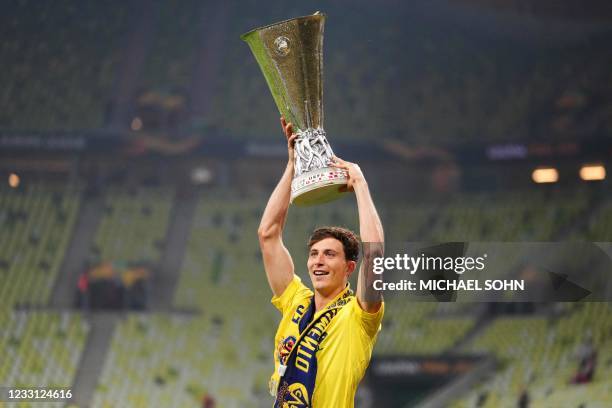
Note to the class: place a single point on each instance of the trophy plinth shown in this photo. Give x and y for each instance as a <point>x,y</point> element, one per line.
<point>317,186</point>
<point>290,55</point>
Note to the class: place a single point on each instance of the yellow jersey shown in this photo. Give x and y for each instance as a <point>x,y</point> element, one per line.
<point>339,345</point>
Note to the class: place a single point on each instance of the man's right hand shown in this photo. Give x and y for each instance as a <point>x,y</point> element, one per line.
<point>290,136</point>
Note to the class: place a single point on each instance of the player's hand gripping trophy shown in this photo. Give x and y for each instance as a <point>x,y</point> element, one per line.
<point>290,55</point>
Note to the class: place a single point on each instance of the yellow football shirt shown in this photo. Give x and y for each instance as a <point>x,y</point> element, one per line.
<point>343,354</point>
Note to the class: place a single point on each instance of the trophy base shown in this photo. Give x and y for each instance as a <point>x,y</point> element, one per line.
<point>318,186</point>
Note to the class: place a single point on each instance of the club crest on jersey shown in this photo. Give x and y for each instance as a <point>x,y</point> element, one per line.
<point>284,348</point>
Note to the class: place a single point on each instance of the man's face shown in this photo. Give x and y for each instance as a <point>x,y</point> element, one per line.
<point>328,267</point>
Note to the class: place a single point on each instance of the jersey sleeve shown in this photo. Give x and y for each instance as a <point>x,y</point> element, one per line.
<point>293,293</point>
<point>370,322</point>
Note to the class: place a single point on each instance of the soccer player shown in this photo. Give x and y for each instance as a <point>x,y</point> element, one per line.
<point>325,338</point>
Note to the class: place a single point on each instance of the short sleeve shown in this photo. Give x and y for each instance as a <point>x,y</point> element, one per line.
<point>371,322</point>
<point>294,292</point>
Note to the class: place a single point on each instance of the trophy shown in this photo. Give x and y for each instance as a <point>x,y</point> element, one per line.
<point>290,55</point>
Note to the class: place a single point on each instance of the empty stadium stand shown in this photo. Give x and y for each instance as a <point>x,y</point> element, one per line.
<point>37,223</point>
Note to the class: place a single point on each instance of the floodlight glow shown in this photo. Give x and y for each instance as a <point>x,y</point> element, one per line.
<point>14,180</point>
<point>591,172</point>
<point>545,175</point>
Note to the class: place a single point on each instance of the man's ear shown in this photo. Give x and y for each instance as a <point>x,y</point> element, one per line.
<point>351,265</point>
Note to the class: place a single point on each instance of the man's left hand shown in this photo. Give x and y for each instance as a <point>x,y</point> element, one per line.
<point>354,173</point>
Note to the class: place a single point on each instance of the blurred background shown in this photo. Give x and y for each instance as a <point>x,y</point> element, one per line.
<point>139,144</point>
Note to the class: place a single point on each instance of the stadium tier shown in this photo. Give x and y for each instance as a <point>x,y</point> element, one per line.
<point>507,217</point>
<point>173,360</point>
<point>58,63</point>
<point>37,224</point>
<point>422,328</point>
<point>134,224</point>
<point>600,225</point>
<point>40,348</point>
<point>64,78</point>
<point>541,354</point>
<point>170,61</point>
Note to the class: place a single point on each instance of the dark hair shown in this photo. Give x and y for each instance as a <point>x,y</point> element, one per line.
<point>349,240</point>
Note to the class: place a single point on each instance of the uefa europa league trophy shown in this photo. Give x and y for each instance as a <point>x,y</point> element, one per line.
<point>290,55</point>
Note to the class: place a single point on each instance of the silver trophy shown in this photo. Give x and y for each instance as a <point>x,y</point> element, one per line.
<point>290,55</point>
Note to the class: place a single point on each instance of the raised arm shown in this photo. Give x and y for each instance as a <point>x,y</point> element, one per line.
<point>372,236</point>
<point>277,260</point>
